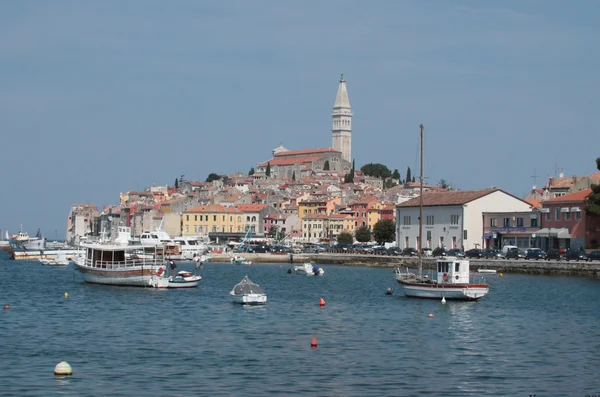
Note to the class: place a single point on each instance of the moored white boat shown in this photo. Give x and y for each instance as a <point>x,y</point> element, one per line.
<point>184,279</point>
<point>248,293</point>
<point>308,269</point>
<point>486,271</point>
<point>240,260</point>
<point>59,260</point>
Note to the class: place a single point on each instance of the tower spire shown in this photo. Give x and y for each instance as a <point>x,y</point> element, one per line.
<point>342,121</point>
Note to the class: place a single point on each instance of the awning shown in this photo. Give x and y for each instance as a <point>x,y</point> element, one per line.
<point>553,232</point>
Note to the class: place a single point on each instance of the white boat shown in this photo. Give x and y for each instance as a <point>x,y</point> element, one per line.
<point>453,277</point>
<point>486,271</point>
<point>184,279</point>
<point>240,260</point>
<point>190,247</point>
<point>248,293</point>
<point>60,259</point>
<point>113,265</point>
<point>308,269</point>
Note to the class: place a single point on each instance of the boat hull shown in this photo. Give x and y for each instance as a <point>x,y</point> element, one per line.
<point>187,282</point>
<point>135,276</point>
<point>446,291</point>
<point>250,299</point>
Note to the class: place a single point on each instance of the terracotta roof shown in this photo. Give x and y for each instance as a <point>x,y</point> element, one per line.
<point>459,197</point>
<point>290,161</point>
<point>250,207</point>
<point>595,177</point>
<point>535,203</point>
<point>564,182</point>
<point>305,152</point>
<point>577,196</point>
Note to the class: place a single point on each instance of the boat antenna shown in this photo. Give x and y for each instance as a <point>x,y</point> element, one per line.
<point>420,245</point>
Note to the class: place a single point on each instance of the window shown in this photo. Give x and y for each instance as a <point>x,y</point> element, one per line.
<point>195,217</point>
<point>493,222</point>
<point>519,222</point>
<point>430,219</point>
<point>407,220</point>
<point>534,222</point>
<point>428,236</point>
<point>577,215</point>
<point>548,216</point>
<point>214,219</point>
<point>506,222</point>
<point>558,214</point>
<point>464,234</point>
<point>187,228</point>
<point>567,216</point>
<point>187,217</point>
<point>454,219</point>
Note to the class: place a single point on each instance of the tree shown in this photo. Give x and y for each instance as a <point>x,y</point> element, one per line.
<point>213,177</point>
<point>345,238</point>
<point>384,231</point>
<point>176,184</point>
<point>274,232</point>
<point>294,176</point>
<point>326,165</point>
<point>251,172</point>
<point>443,184</point>
<point>377,170</point>
<point>413,179</point>
<point>396,175</point>
<point>363,234</point>
<point>408,175</point>
<point>592,202</point>
<point>268,171</point>
<point>389,183</point>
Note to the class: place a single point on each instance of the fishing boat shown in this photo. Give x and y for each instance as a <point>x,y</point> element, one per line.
<point>184,279</point>
<point>60,259</point>
<point>116,265</point>
<point>240,260</point>
<point>308,269</point>
<point>248,293</point>
<point>453,277</point>
<point>486,270</point>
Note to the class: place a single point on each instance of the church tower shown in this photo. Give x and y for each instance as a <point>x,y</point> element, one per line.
<point>342,122</point>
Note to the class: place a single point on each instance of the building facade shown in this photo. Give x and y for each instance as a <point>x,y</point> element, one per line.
<point>511,228</point>
<point>342,122</point>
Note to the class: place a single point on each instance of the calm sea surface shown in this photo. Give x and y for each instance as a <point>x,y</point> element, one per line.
<point>531,335</point>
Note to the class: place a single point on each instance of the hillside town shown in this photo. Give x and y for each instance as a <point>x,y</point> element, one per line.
<point>313,195</point>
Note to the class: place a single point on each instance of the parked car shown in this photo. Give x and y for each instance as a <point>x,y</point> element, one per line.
<point>439,251</point>
<point>474,253</point>
<point>535,253</point>
<point>394,251</point>
<point>554,254</point>
<point>575,255</point>
<point>493,253</point>
<point>410,251</point>
<point>380,250</point>
<point>455,252</point>
<point>259,249</point>
<point>427,252</point>
<point>515,253</point>
<point>593,256</point>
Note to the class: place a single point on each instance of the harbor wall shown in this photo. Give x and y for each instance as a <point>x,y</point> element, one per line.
<point>551,268</point>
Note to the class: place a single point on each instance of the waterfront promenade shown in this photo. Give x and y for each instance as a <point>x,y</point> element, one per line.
<point>552,267</point>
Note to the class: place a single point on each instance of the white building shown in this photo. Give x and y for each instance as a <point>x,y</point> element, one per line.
<point>452,219</point>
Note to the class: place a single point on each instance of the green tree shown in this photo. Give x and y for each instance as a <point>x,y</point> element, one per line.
<point>176,183</point>
<point>213,177</point>
<point>377,170</point>
<point>363,234</point>
<point>345,238</point>
<point>294,176</point>
<point>408,175</point>
<point>389,183</point>
<point>384,231</point>
<point>326,165</point>
<point>413,179</point>
<point>396,175</point>
<point>268,171</point>
<point>592,202</point>
<point>443,184</point>
<point>251,172</point>
<point>274,232</point>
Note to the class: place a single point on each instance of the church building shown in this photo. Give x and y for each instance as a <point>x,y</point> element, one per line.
<point>287,163</point>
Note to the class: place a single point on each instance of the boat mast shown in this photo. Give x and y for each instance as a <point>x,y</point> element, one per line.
<point>421,209</point>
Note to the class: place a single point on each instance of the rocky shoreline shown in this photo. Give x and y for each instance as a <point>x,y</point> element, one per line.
<point>551,268</point>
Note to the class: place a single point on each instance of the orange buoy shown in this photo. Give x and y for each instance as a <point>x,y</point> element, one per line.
<point>314,342</point>
<point>430,315</point>
<point>6,307</point>
<point>321,302</point>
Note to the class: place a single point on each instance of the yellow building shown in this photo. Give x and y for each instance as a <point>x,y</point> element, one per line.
<point>374,213</point>
<point>340,223</point>
<point>314,227</point>
<point>317,206</point>
<point>212,218</point>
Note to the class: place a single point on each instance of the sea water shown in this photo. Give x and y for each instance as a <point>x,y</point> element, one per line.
<point>532,335</point>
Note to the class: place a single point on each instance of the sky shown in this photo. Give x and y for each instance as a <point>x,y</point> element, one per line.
<point>98,98</point>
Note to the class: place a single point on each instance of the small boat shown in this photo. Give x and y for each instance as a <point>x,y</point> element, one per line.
<point>59,260</point>
<point>248,293</point>
<point>308,269</point>
<point>184,279</point>
<point>486,271</point>
<point>240,260</point>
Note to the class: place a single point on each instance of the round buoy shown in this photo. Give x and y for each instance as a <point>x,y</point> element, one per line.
<point>500,274</point>
<point>314,342</point>
<point>443,300</point>
<point>63,369</point>
<point>430,315</point>
<point>6,307</point>
<point>321,302</point>
<point>66,294</point>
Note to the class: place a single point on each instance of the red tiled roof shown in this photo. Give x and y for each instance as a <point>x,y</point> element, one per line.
<point>577,196</point>
<point>595,177</point>
<point>535,203</point>
<point>448,198</point>
<point>305,152</point>
<point>290,161</point>
<point>250,207</point>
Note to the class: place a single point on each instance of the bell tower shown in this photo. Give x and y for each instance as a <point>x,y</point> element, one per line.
<point>342,122</point>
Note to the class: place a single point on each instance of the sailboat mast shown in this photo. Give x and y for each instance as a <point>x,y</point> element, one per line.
<point>421,208</point>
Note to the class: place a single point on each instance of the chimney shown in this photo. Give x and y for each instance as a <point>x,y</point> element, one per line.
<point>550,181</point>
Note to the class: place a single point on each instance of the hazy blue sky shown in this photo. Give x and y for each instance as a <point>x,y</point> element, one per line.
<point>101,97</point>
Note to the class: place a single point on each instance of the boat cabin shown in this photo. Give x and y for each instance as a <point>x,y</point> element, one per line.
<point>452,270</point>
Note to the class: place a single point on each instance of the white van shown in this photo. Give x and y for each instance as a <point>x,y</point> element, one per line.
<point>507,248</point>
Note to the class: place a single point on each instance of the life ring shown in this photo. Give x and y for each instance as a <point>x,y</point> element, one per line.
<point>160,271</point>
<point>445,276</point>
